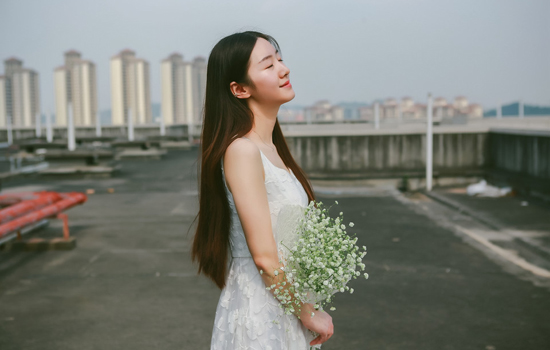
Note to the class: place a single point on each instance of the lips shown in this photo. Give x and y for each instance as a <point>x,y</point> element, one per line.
<point>287,84</point>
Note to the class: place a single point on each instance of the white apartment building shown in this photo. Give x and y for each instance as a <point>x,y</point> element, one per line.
<point>177,91</point>
<point>19,94</point>
<point>408,109</point>
<point>183,89</point>
<point>76,83</point>
<point>323,111</point>
<point>130,89</point>
<point>199,86</point>
<point>3,114</point>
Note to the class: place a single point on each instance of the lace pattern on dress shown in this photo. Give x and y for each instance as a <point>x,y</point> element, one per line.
<point>248,316</point>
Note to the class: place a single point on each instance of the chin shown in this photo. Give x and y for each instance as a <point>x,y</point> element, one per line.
<point>290,97</point>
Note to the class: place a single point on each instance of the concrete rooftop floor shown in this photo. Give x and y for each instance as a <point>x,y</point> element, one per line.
<point>130,283</point>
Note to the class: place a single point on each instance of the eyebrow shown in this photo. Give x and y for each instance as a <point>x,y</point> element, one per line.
<point>268,56</point>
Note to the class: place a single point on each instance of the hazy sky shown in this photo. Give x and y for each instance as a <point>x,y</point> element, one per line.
<point>487,50</point>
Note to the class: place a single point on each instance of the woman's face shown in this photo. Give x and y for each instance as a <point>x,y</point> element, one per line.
<point>269,75</point>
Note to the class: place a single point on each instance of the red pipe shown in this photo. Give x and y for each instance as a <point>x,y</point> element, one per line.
<point>23,207</point>
<point>69,200</point>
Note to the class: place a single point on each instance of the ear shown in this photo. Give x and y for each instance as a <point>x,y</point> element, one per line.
<point>238,90</point>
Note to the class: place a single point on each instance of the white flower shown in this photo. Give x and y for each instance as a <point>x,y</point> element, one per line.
<point>366,275</point>
<point>351,224</point>
<point>276,272</point>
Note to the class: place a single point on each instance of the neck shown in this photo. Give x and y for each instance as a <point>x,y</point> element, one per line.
<point>264,120</point>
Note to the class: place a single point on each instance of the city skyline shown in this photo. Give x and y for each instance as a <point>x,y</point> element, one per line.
<point>494,51</point>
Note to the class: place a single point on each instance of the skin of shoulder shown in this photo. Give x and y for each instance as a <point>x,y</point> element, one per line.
<point>244,175</point>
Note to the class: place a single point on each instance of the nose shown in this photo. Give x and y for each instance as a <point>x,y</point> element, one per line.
<point>284,71</point>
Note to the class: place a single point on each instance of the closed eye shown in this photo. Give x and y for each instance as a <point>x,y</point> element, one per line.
<point>281,60</point>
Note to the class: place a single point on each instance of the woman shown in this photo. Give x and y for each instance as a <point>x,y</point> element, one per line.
<point>247,175</point>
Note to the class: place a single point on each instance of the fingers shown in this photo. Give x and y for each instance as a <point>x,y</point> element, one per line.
<point>321,338</point>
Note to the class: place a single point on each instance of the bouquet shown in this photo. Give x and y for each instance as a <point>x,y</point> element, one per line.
<point>319,258</point>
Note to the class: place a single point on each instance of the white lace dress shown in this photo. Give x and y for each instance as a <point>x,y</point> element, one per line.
<point>248,316</point>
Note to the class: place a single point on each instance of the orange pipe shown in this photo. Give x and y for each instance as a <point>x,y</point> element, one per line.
<point>14,211</point>
<point>69,200</point>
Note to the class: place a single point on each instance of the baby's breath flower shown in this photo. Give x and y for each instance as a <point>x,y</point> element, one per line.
<point>320,262</point>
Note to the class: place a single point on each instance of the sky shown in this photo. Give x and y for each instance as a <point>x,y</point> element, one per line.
<point>491,51</point>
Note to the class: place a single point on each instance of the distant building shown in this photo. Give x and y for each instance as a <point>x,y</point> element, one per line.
<point>76,83</point>
<point>3,105</point>
<point>408,109</point>
<point>199,86</point>
<point>130,89</point>
<point>178,101</point>
<point>390,109</point>
<point>290,114</point>
<point>323,111</point>
<point>19,94</point>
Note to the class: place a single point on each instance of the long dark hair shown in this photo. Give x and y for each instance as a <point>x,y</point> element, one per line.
<point>226,118</point>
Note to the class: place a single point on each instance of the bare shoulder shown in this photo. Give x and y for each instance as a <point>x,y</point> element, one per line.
<point>241,148</point>
<point>243,162</point>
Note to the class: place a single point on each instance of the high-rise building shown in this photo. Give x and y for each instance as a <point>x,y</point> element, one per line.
<point>19,94</point>
<point>3,115</point>
<point>75,83</point>
<point>199,86</point>
<point>130,89</point>
<point>177,90</point>
<point>183,89</point>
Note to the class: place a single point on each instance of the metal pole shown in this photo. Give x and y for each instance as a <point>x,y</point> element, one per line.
<point>97,124</point>
<point>521,109</point>
<point>130,126</point>
<point>400,112</point>
<point>190,133</point>
<point>162,126</point>
<point>70,128</point>
<point>49,131</point>
<point>38,125</point>
<point>429,145</point>
<point>376,116</point>
<point>9,130</point>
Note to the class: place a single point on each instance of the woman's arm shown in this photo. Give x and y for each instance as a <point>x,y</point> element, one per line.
<point>245,178</point>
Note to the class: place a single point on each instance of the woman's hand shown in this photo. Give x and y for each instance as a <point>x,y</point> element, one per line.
<point>320,323</point>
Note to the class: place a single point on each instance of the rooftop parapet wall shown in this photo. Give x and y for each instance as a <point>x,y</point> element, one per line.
<point>387,155</point>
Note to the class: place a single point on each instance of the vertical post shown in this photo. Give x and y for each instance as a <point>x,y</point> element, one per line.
<point>130,126</point>
<point>70,128</point>
<point>376,115</point>
<point>190,129</point>
<point>9,130</point>
<point>49,131</point>
<point>38,125</point>
<point>98,124</point>
<point>400,112</point>
<point>499,110</point>
<point>521,109</point>
<point>162,126</point>
<point>429,145</point>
